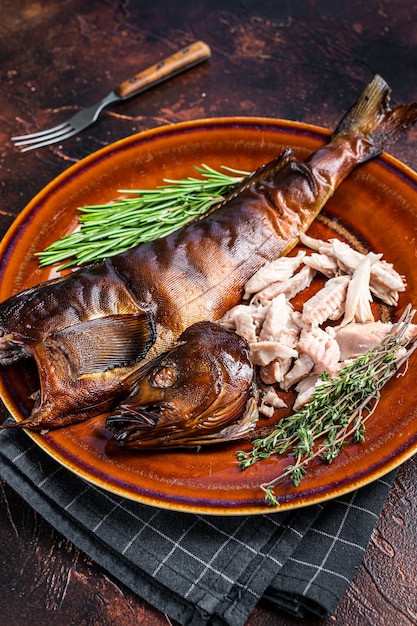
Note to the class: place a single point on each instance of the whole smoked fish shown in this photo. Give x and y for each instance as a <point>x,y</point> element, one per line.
<point>90,331</point>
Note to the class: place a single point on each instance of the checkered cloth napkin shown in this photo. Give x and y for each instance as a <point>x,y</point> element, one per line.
<point>202,569</point>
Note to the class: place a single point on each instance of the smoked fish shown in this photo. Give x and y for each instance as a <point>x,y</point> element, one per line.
<point>90,331</point>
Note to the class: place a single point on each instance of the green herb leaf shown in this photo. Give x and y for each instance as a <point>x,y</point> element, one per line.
<point>108,229</point>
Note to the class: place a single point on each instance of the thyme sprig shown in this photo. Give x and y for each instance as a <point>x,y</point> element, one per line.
<point>145,215</point>
<point>337,413</point>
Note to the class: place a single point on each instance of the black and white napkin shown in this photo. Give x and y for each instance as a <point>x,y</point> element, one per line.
<point>202,569</point>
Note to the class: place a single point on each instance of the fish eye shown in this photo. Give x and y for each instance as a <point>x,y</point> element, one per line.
<point>164,377</point>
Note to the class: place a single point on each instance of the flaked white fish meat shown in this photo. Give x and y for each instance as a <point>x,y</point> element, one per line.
<point>301,369</point>
<point>270,402</point>
<point>273,271</point>
<point>358,296</point>
<point>385,282</point>
<point>290,287</point>
<point>264,352</point>
<point>356,339</point>
<point>322,348</point>
<point>328,303</point>
<point>323,263</point>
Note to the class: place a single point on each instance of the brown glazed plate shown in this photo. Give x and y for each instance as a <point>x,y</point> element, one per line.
<point>377,204</point>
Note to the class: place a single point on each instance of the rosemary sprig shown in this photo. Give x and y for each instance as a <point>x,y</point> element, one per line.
<point>337,413</point>
<point>107,229</point>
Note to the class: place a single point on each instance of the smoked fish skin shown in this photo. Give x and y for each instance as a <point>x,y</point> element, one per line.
<point>91,330</point>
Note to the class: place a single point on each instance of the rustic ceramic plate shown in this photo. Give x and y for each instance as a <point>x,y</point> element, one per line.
<point>377,205</point>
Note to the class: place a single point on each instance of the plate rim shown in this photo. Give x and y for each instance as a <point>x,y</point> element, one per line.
<point>394,164</point>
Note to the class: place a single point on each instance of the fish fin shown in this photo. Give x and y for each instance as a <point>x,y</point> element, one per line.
<point>105,343</point>
<point>262,173</point>
<point>372,118</point>
<point>89,360</point>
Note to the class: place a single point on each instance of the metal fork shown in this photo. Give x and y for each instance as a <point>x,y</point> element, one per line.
<point>167,68</point>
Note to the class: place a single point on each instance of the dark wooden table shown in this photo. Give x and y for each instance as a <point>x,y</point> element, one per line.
<point>300,59</point>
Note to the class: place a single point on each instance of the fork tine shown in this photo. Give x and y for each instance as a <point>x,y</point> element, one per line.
<point>41,133</point>
<point>48,141</point>
<point>46,136</point>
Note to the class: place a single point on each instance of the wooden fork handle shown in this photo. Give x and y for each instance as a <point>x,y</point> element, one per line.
<point>179,62</point>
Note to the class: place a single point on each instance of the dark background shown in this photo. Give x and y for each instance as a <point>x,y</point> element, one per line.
<point>302,60</point>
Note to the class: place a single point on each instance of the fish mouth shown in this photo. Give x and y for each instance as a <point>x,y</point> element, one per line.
<point>128,421</point>
<point>147,425</point>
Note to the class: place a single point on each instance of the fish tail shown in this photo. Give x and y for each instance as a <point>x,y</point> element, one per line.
<point>372,119</point>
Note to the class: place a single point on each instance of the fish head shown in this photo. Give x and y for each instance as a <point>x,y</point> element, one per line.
<point>189,394</point>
